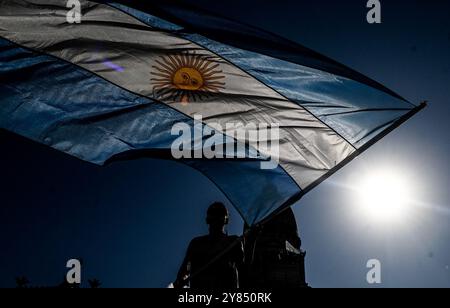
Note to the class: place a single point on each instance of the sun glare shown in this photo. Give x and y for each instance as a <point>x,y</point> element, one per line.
<point>384,195</point>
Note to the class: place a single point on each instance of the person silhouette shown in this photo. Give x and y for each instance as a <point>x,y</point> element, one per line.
<point>213,260</point>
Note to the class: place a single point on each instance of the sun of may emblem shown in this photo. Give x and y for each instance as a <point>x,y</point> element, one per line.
<point>186,77</point>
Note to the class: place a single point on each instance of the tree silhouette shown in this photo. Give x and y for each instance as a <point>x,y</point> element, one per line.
<point>22,282</point>
<point>94,283</point>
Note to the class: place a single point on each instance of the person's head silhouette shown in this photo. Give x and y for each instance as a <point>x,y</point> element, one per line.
<point>217,217</point>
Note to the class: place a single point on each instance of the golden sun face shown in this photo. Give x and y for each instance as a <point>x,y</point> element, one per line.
<point>186,77</point>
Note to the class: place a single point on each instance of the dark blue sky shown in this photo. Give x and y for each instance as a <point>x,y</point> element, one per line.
<point>131,221</point>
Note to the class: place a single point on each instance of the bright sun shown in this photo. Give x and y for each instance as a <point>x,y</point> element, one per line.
<point>384,195</point>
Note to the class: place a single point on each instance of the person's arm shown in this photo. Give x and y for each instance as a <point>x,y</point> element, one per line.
<point>237,252</point>
<point>240,253</point>
<point>183,273</point>
<point>238,259</point>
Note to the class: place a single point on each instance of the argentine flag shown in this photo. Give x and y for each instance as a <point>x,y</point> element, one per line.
<point>112,82</point>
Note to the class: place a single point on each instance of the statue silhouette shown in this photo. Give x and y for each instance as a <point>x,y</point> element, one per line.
<point>273,255</point>
<point>212,261</point>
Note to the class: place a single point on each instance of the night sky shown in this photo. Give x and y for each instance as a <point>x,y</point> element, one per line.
<point>131,222</point>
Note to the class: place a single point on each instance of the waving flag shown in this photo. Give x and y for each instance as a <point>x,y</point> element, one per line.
<point>114,83</point>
